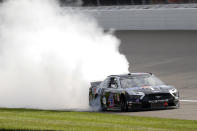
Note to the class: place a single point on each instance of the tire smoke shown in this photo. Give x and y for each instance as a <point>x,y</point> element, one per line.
<point>49,54</point>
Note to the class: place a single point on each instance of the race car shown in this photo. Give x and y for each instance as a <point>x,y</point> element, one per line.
<point>133,91</point>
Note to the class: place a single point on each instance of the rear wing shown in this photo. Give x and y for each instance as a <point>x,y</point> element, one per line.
<point>95,84</point>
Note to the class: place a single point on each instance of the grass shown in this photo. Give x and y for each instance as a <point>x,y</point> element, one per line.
<point>25,119</point>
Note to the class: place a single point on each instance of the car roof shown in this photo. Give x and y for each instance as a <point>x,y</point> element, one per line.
<point>131,75</point>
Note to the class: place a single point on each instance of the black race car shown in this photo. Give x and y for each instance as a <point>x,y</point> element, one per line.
<point>132,92</point>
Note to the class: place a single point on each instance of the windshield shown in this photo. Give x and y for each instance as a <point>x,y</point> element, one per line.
<point>139,81</point>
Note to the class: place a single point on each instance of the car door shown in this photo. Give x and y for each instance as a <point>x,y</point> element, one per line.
<point>111,93</point>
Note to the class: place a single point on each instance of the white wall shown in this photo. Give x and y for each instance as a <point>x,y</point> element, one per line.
<point>155,17</point>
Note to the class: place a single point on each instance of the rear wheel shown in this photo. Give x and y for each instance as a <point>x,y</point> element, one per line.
<point>90,99</point>
<point>103,107</point>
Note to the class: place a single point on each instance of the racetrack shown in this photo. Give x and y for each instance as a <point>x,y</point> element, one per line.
<point>171,55</point>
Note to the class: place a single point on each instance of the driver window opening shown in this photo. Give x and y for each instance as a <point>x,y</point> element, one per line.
<point>113,83</point>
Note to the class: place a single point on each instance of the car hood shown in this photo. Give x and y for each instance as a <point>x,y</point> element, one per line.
<point>149,89</point>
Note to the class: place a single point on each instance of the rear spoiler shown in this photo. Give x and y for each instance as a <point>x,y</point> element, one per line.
<point>96,83</point>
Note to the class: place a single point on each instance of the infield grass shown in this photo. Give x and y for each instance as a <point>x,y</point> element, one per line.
<point>25,119</point>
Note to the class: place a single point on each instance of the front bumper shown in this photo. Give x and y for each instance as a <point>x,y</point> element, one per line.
<point>153,104</point>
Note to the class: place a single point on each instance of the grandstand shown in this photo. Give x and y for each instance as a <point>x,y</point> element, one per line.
<point>123,2</point>
<point>133,2</point>
<point>120,2</point>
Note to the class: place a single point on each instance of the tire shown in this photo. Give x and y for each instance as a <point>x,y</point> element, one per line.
<point>90,100</point>
<point>102,106</point>
<point>124,106</point>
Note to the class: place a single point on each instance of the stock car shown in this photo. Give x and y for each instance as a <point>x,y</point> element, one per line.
<point>133,91</point>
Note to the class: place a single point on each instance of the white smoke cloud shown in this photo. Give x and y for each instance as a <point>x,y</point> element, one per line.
<point>48,55</point>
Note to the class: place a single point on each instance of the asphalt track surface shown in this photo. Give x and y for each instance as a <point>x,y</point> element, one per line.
<point>172,56</point>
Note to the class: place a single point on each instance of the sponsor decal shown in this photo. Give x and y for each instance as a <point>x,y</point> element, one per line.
<point>118,97</point>
<point>111,100</point>
<point>104,100</point>
<point>94,90</point>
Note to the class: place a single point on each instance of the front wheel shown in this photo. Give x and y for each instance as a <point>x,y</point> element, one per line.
<point>124,106</point>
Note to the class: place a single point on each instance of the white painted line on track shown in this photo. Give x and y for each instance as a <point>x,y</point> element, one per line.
<point>188,100</point>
